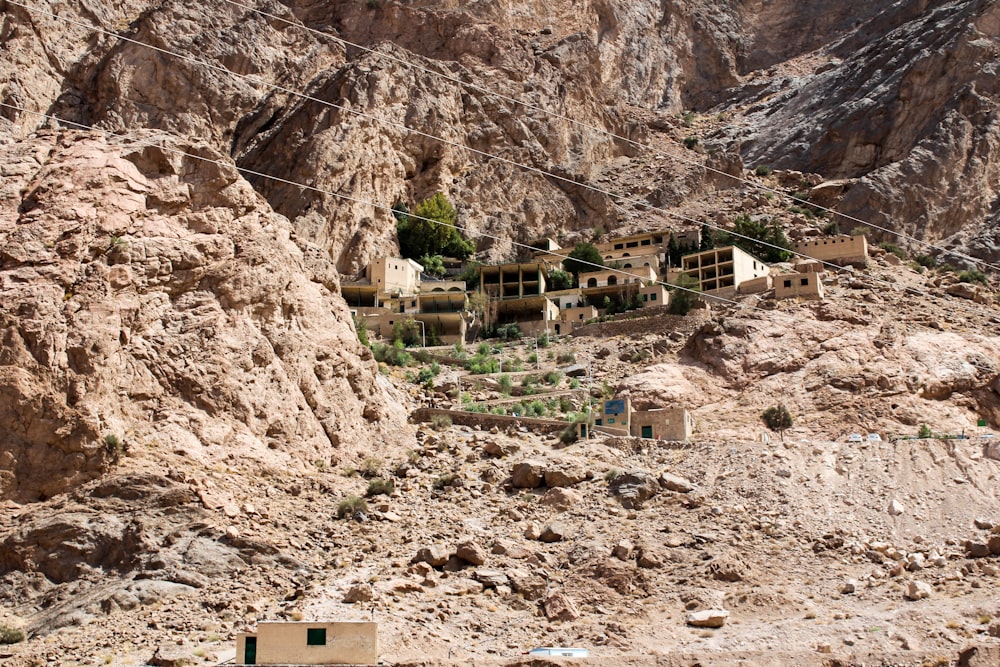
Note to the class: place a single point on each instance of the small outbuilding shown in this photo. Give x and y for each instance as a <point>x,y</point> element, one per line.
<point>303,643</point>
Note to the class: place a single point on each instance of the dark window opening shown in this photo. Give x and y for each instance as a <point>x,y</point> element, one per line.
<point>788,283</point>
<point>316,637</point>
<point>805,281</point>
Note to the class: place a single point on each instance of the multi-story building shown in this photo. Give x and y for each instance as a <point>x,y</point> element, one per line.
<point>515,294</point>
<point>720,271</point>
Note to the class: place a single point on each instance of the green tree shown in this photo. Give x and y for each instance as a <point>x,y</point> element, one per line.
<point>582,259</point>
<point>470,274</point>
<point>761,238</point>
<point>778,418</point>
<point>406,332</point>
<point>560,280</point>
<point>707,238</point>
<point>682,295</point>
<point>433,265</point>
<point>430,230</point>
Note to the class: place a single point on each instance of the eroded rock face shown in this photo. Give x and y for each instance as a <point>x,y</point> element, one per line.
<point>910,116</point>
<point>156,298</point>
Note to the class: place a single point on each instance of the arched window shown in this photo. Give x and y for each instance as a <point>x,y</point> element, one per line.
<point>612,280</point>
<point>592,282</point>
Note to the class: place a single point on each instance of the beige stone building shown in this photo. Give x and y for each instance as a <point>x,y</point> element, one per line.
<point>720,271</point>
<point>619,418</point>
<point>836,249</point>
<point>615,277</point>
<point>386,279</point>
<point>798,285</point>
<point>302,643</point>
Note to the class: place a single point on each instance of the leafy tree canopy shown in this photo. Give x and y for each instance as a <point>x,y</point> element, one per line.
<point>430,230</point>
<point>582,259</point>
<point>559,280</point>
<point>682,296</point>
<point>761,238</point>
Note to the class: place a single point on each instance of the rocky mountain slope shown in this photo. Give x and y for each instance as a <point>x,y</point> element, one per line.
<point>181,385</point>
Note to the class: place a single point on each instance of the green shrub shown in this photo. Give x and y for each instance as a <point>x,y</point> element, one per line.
<point>440,422</point>
<point>778,418</point>
<point>574,383</point>
<point>444,480</point>
<point>569,435</point>
<point>393,355</point>
<point>925,261</point>
<point>566,358</point>
<point>565,404</point>
<point>543,340</point>
<point>10,634</point>
<point>553,377</point>
<point>683,295</point>
<point>687,118</point>
<point>371,466</point>
<point>350,506</point>
<point>535,408</point>
<point>894,249</point>
<point>505,384</point>
<point>831,228</point>
<point>361,326</point>
<point>861,230</point>
<point>610,475</point>
<point>430,230</point>
<point>114,447</point>
<point>762,170</point>
<point>379,486</point>
<point>972,276</point>
<point>925,432</point>
<point>801,210</point>
<point>690,142</point>
<point>533,358</point>
<point>407,332</point>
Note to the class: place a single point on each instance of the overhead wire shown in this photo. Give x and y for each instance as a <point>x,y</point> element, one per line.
<point>610,134</point>
<point>303,186</point>
<point>405,128</point>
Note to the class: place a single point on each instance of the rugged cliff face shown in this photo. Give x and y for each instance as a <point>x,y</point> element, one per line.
<point>156,298</point>
<point>169,291</point>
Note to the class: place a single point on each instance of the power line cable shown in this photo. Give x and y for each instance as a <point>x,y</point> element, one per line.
<point>427,135</point>
<point>405,128</point>
<point>418,132</point>
<point>608,133</point>
<point>303,186</point>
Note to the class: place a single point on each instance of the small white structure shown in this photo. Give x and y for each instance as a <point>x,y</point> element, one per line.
<point>855,437</point>
<point>874,437</point>
<point>560,651</point>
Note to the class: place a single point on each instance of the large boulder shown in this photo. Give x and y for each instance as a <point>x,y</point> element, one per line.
<point>634,488</point>
<point>527,475</point>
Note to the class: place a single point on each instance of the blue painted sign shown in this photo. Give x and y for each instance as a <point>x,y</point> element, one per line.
<point>616,407</point>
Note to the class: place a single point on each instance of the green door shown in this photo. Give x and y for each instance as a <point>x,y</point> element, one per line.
<point>250,652</point>
<point>647,431</point>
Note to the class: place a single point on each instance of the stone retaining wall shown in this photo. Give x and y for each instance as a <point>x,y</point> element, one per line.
<point>487,421</point>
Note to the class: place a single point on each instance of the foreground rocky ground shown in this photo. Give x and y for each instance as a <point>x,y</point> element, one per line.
<point>811,549</point>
